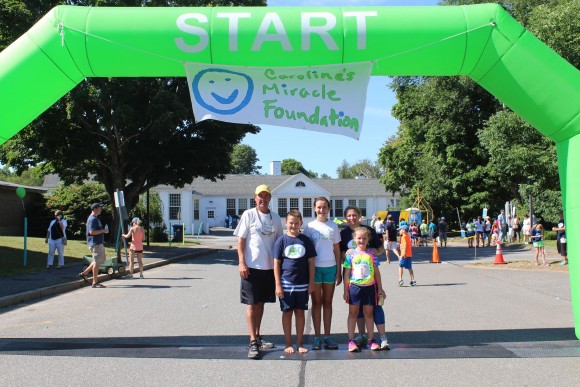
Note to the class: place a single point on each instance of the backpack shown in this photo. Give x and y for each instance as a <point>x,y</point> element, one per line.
<point>56,231</point>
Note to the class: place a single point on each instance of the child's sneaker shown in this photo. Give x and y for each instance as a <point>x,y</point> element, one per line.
<point>384,342</point>
<point>374,345</point>
<point>317,344</point>
<point>401,283</point>
<point>329,343</point>
<point>352,347</point>
<point>413,283</point>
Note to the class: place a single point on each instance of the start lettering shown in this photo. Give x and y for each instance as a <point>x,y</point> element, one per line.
<point>271,30</point>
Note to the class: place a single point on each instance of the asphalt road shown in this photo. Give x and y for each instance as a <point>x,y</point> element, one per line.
<point>184,325</point>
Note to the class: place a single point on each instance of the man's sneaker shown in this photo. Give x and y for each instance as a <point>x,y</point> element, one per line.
<point>141,276</point>
<point>413,283</point>
<point>317,344</point>
<point>263,344</point>
<point>384,342</point>
<point>401,282</point>
<point>329,343</point>
<point>564,262</point>
<point>352,347</point>
<point>374,345</point>
<point>253,349</point>
<point>128,276</point>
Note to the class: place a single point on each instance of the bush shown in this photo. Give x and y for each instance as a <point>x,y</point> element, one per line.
<point>550,235</point>
<point>158,233</point>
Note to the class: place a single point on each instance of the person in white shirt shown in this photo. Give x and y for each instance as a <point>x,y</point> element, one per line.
<point>56,239</point>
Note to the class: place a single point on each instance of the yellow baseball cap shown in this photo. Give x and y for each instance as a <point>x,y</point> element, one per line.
<point>262,188</point>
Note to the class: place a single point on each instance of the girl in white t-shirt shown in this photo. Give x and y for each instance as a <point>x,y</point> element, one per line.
<point>328,274</point>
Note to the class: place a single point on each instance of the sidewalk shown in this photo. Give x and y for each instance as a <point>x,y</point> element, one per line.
<point>31,286</point>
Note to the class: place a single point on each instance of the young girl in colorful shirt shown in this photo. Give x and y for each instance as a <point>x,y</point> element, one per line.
<point>536,234</point>
<point>362,283</point>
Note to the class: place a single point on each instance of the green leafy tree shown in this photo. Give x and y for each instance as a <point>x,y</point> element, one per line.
<point>461,146</point>
<point>129,133</point>
<point>293,167</point>
<point>30,177</point>
<point>244,160</point>
<point>75,202</point>
<point>366,168</point>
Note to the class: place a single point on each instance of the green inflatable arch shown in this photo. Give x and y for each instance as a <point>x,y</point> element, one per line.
<point>481,41</point>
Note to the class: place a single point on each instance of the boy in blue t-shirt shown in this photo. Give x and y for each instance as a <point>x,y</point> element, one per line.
<point>294,273</point>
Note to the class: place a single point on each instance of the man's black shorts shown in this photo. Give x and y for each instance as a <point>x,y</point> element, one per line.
<point>258,288</point>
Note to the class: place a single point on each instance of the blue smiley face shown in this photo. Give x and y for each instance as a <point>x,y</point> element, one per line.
<point>222,91</point>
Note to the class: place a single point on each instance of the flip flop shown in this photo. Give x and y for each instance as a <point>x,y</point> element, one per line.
<point>98,285</point>
<point>84,277</point>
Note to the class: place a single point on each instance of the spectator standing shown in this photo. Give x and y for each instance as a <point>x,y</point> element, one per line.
<point>537,236</point>
<point>257,232</point>
<point>424,230</point>
<point>56,239</point>
<point>517,226</point>
<point>442,227</point>
<point>470,228</point>
<point>390,243</point>
<point>487,230</point>
<point>479,226</point>
<point>526,228</point>
<point>561,239</point>
<point>502,226</point>
<point>136,233</point>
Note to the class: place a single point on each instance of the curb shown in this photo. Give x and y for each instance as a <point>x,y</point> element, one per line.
<point>53,290</point>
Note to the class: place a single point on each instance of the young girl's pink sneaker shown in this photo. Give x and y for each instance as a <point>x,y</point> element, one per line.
<point>352,347</point>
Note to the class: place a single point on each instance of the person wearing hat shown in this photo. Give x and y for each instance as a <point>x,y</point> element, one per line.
<point>96,242</point>
<point>136,232</point>
<point>257,232</point>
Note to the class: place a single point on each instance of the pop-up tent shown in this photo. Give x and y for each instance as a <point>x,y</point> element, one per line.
<point>480,41</point>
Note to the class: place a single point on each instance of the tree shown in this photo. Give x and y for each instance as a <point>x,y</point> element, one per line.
<point>75,202</point>
<point>244,160</point>
<point>461,146</point>
<point>366,168</point>
<point>293,167</point>
<point>30,177</point>
<point>129,133</point>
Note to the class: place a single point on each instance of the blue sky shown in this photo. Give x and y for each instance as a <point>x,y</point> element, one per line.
<point>322,152</point>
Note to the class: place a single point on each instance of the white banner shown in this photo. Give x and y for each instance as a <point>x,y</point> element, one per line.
<point>326,98</point>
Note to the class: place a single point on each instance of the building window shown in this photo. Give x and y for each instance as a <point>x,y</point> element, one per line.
<point>242,205</point>
<point>210,214</point>
<point>294,204</point>
<point>352,202</point>
<point>300,184</point>
<point>230,207</point>
<point>174,206</point>
<point>282,207</point>
<point>307,207</point>
<point>362,205</point>
<point>196,209</point>
<point>338,209</point>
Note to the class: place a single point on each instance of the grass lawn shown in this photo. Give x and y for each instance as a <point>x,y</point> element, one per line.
<point>12,253</point>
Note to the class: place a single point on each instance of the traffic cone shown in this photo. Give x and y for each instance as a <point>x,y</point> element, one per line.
<point>499,255</point>
<point>435,258</point>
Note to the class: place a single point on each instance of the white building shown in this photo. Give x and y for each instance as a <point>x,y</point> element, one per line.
<point>205,203</point>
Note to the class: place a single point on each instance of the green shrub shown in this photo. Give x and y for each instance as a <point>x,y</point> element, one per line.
<point>158,233</point>
<point>550,235</point>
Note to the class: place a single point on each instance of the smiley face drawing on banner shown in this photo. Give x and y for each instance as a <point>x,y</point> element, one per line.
<point>222,91</point>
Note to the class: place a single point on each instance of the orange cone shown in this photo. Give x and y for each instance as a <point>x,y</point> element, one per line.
<point>499,255</point>
<point>435,258</point>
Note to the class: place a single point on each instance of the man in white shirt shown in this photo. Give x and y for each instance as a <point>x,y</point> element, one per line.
<point>257,232</point>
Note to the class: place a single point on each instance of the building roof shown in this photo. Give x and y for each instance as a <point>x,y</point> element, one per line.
<point>244,185</point>
<point>6,184</point>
